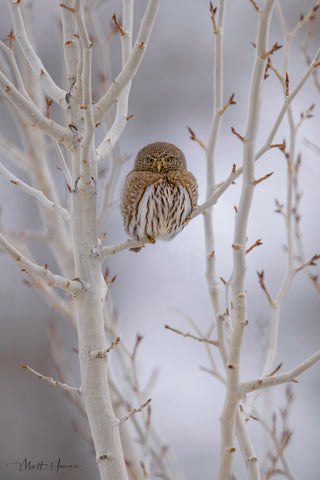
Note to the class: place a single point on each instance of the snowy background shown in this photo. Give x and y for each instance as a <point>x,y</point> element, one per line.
<point>164,282</point>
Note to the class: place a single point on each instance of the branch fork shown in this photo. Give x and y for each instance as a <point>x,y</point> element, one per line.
<point>104,353</point>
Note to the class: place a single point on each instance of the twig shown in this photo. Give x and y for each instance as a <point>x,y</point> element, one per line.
<point>263,178</point>
<point>287,93</point>
<point>104,353</point>
<point>311,262</point>
<point>288,100</point>
<point>114,18</point>
<point>213,11</point>
<point>275,47</point>
<point>51,89</point>
<point>229,102</point>
<point>37,194</point>
<point>118,247</point>
<point>63,162</point>
<point>272,433</point>
<point>275,370</point>
<point>264,288</point>
<point>255,5</point>
<point>233,130</point>
<point>217,194</point>
<point>190,335</point>
<point>52,381</point>
<point>73,287</point>
<point>134,411</point>
<point>289,376</point>
<point>121,118</point>
<point>23,104</point>
<point>131,67</point>
<point>15,68</point>
<point>195,138</point>
<point>135,348</point>
<point>257,243</point>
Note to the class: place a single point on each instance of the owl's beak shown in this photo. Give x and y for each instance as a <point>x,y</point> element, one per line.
<point>159,165</point>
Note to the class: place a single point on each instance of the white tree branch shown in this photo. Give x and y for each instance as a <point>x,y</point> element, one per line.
<point>276,307</point>
<point>49,86</point>
<point>228,417</point>
<point>289,376</point>
<point>121,118</point>
<point>211,274</point>
<point>190,335</point>
<point>71,286</point>
<point>14,153</point>
<point>104,353</point>
<point>106,251</point>
<point>134,411</point>
<point>35,193</point>
<point>27,107</point>
<point>9,52</point>
<point>70,47</point>
<point>246,446</point>
<point>288,100</point>
<point>214,197</point>
<point>63,162</point>
<point>132,65</point>
<point>52,381</point>
<point>87,157</point>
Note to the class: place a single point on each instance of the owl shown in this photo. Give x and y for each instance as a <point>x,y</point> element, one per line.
<point>159,194</point>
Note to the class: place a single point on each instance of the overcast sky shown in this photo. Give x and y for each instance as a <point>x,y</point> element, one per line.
<point>166,281</point>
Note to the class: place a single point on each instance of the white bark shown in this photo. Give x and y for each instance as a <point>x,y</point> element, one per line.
<point>131,66</point>
<point>49,86</point>
<point>37,194</point>
<point>290,376</point>
<point>33,114</point>
<point>228,417</point>
<point>72,286</point>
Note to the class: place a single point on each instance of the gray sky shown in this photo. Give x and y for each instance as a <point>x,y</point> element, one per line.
<point>164,282</point>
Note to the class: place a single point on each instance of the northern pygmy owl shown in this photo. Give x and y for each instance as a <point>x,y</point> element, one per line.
<point>159,193</point>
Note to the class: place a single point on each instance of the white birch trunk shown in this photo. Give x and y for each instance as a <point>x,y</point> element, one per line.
<point>91,336</point>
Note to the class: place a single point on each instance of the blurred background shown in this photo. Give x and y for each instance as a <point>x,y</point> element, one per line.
<point>166,282</point>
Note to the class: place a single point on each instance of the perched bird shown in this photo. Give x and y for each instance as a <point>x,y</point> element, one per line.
<point>159,193</point>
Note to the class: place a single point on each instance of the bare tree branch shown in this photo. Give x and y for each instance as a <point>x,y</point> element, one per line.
<point>286,377</point>
<point>71,286</point>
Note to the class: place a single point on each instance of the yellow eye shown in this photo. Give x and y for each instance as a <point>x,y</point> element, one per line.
<point>150,161</point>
<point>169,159</point>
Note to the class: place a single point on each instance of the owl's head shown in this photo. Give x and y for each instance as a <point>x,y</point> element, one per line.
<point>160,157</point>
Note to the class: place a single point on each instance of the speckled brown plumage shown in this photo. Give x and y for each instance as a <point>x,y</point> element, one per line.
<point>159,193</point>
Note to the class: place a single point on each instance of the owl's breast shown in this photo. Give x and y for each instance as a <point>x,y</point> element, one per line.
<point>161,212</point>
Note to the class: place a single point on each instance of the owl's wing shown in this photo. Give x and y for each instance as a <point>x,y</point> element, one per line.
<point>188,181</point>
<point>135,185</point>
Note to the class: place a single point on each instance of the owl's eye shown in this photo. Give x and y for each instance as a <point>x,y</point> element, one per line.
<point>150,161</point>
<point>169,159</point>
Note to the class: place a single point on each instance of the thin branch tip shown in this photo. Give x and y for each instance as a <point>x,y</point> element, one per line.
<point>195,138</point>
<point>134,411</point>
<point>190,335</point>
<point>53,382</point>
<point>213,11</point>
<point>233,130</point>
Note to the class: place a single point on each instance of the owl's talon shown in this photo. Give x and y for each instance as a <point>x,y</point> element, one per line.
<point>151,240</point>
